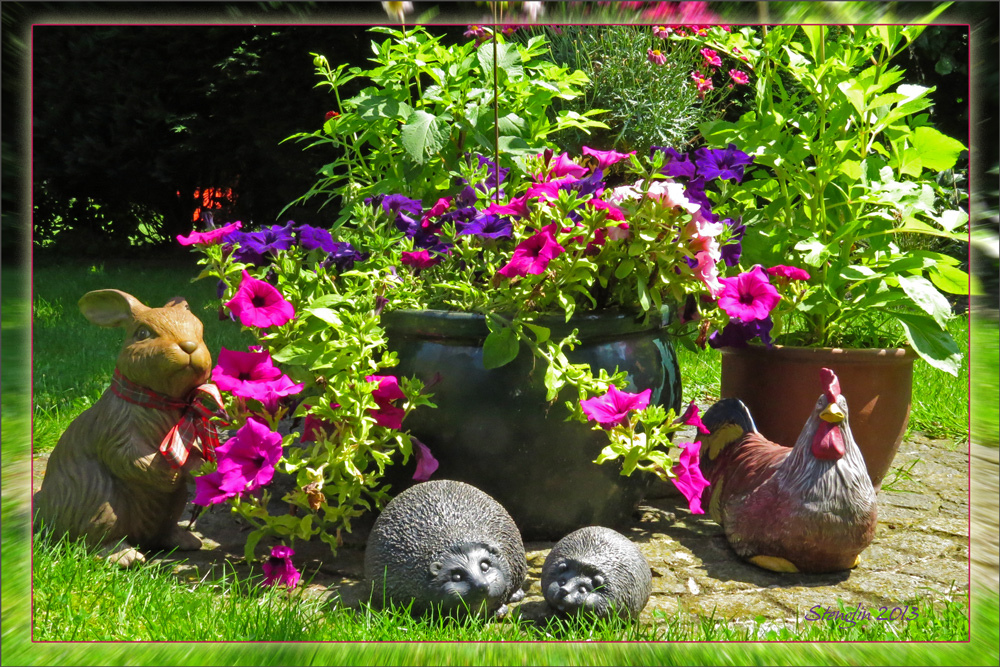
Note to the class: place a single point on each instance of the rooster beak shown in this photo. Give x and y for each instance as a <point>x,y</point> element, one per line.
<point>832,414</point>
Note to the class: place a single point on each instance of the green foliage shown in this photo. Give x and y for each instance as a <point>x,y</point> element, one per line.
<point>429,104</point>
<point>846,170</point>
<point>646,104</point>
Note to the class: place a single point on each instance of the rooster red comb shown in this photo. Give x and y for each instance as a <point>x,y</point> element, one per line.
<point>831,385</point>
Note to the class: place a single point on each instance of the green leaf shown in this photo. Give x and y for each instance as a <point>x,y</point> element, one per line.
<point>541,333</point>
<point>625,268</point>
<point>500,348</point>
<point>934,346</point>
<point>508,60</point>
<point>950,279</point>
<point>327,315</point>
<point>855,95</point>
<point>857,272</point>
<point>424,135</point>
<point>814,252</point>
<point>952,220</point>
<point>925,295</point>
<point>380,106</point>
<point>252,540</point>
<point>938,151</point>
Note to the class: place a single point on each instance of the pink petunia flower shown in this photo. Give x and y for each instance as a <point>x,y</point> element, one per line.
<point>789,272</point>
<point>313,428</point>
<point>269,392</point>
<point>440,207</point>
<point>689,480</point>
<point>258,304</point>
<point>565,166</point>
<point>708,273</point>
<point>738,77</point>
<point>210,237</point>
<point>672,194</point>
<point>235,370</point>
<point>208,491</point>
<point>612,409</point>
<point>613,212</point>
<point>749,296</point>
<point>517,206</point>
<point>387,414</point>
<point>712,58</point>
<point>532,255</point>
<point>426,463</point>
<point>278,568</point>
<point>605,158</point>
<point>656,57</point>
<point>247,460</point>
<point>692,418</point>
<point>421,259</point>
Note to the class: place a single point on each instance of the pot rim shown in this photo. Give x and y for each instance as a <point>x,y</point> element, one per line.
<point>437,323</point>
<point>842,354</point>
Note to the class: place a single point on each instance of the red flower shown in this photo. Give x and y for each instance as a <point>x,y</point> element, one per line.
<point>331,114</point>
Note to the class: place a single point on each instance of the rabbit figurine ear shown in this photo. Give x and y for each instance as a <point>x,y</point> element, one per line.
<point>177,301</point>
<point>110,307</point>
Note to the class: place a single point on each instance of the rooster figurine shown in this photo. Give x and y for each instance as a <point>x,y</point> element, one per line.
<point>807,508</point>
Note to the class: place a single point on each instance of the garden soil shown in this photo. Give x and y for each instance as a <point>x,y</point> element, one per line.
<point>921,549</point>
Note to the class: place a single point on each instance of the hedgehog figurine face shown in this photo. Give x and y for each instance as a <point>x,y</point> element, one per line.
<point>596,570</point>
<point>467,575</point>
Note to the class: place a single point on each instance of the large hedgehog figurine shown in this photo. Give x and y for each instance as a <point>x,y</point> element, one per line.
<point>599,571</point>
<point>446,546</point>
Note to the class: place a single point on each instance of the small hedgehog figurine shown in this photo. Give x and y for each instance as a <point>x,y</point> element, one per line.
<point>599,571</point>
<point>447,546</point>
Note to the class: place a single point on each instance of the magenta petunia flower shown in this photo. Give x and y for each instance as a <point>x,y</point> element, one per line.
<point>605,158</point>
<point>517,206</point>
<point>210,237</point>
<point>613,212</point>
<point>269,392</point>
<point>749,296</point>
<point>421,259</point>
<point>738,77</point>
<point>278,568</point>
<point>440,207</point>
<point>692,418</point>
<point>532,255</point>
<point>388,390</point>
<point>712,58</point>
<point>258,304</point>
<point>426,463</point>
<point>208,491</point>
<point>613,408</point>
<point>247,460</point>
<point>789,272</point>
<point>656,57</point>
<point>565,166</point>
<point>235,370</point>
<point>689,480</point>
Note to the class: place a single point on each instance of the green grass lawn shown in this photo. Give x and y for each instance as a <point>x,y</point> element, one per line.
<point>78,597</point>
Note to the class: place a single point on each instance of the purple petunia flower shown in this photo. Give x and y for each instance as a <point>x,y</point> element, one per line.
<point>532,255</point>
<point>749,296</point>
<point>488,225</point>
<point>278,568</point>
<point>734,248</point>
<point>343,256</point>
<point>311,238</point>
<point>259,305</point>
<point>247,460</point>
<point>393,205</point>
<point>689,479</point>
<point>277,237</point>
<point>249,247</point>
<point>723,163</point>
<point>737,333</point>
<point>677,165</point>
<point>426,463</point>
<point>612,409</point>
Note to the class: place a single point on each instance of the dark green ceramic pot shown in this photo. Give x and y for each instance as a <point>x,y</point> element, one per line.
<point>493,428</point>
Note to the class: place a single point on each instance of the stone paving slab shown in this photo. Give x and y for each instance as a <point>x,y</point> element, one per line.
<point>921,548</point>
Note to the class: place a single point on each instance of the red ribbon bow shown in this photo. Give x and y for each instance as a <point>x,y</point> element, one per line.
<point>194,429</point>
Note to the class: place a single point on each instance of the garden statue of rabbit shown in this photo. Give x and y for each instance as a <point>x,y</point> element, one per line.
<point>120,471</point>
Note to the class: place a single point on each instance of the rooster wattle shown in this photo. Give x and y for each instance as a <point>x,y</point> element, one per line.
<point>807,508</point>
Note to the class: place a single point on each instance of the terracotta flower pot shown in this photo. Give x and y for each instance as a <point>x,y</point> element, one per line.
<point>494,429</point>
<point>780,387</point>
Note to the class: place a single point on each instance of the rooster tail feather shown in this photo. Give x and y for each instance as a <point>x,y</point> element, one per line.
<point>727,421</point>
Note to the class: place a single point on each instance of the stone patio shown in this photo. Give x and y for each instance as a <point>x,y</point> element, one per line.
<point>921,548</point>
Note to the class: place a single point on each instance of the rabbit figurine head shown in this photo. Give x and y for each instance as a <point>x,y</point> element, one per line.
<point>163,348</point>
